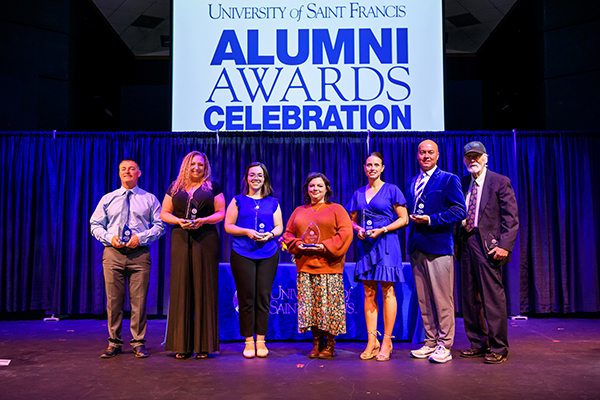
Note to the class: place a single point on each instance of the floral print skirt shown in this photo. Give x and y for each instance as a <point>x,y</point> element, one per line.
<point>321,303</point>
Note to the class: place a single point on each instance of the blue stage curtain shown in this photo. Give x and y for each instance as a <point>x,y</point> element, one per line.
<point>27,222</point>
<point>559,199</point>
<point>52,183</point>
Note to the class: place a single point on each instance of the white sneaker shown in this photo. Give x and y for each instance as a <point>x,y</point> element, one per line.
<point>441,355</point>
<point>423,352</point>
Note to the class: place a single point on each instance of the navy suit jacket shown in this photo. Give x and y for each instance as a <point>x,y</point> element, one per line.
<point>498,219</point>
<point>445,204</point>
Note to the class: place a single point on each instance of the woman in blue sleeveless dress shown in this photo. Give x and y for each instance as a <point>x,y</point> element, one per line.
<point>378,210</point>
<point>254,219</point>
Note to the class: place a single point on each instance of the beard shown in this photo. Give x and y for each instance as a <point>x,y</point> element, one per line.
<point>475,168</point>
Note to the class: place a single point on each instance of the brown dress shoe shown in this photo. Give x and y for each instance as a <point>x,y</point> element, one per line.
<point>111,352</point>
<point>329,349</point>
<point>494,358</point>
<point>471,353</point>
<point>140,351</point>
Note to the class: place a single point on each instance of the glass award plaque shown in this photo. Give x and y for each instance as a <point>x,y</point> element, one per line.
<point>419,208</point>
<point>259,225</point>
<point>312,235</point>
<point>490,242</point>
<point>191,212</point>
<point>367,219</point>
<point>126,235</point>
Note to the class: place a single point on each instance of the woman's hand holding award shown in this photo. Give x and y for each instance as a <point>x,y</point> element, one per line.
<point>260,230</point>
<point>366,218</point>
<point>191,214</point>
<point>311,238</point>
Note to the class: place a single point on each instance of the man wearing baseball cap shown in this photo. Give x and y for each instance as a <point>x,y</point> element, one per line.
<point>487,237</point>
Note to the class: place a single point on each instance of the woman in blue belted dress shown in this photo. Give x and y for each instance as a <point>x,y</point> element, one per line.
<point>378,210</point>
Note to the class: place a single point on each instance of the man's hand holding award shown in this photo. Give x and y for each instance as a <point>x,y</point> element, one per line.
<point>418,215</point>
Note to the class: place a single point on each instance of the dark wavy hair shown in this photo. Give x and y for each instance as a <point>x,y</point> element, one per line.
<point>310,177</point>
<point>267,189</point>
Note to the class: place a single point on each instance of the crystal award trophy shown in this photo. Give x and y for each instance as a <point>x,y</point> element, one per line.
<point>126,235</point>
<point>367,219</point>
<point>259,225</point>
<point>490,242</point>
<point>191,212</point>
<point>311,236</point>
<point>419,208</point>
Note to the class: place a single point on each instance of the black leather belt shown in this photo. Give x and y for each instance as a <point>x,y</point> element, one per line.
<point>127,250</point>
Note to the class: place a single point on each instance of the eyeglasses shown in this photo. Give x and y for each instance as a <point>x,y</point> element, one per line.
<point>254,176</point>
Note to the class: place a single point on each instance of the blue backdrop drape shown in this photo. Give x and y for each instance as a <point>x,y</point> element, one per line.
<point>51,184</point>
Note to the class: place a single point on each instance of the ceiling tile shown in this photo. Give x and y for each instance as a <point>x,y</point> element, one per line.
<point>163,29</point>
<point>146,21</point>
<point>475,5</point>
<point>461,42</point>
<point>130,41</point>
<point>463,20</point>
<point>135,32</point>
<point>448,25</point>
<point>119,28</point>
<point>121,17</point>
<point>491,25</point>
<point>146,46</point>
<point>488,15</point>
<point>477,33</point>
<point>135,6</point>
<point>106,12</point>
<point>108,4</point>
<point>453,9</point>
<point>161,10</point>
<point>504,5</point>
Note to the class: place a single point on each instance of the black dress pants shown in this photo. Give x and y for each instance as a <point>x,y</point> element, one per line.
<point>483,297</point>
<point>254,281</point>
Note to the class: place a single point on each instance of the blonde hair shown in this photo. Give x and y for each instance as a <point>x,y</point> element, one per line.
<point>184,181</point>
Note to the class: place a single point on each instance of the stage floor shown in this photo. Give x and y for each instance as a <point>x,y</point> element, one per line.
<point>549,359</point>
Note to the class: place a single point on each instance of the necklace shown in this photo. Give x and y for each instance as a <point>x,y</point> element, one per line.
<point>318,208</point>
<point>256,203</point>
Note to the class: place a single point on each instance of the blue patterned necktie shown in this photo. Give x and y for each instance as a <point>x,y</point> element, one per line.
<point>420,186</point>
<point>127,206</point>
<point>125,212</point>
<point>472,208</point>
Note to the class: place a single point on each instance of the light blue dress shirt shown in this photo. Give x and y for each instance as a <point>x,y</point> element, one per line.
<point>144,216</point>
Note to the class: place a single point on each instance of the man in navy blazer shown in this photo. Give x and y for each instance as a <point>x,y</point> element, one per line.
<point>487,237</point>
<point>436,204</point>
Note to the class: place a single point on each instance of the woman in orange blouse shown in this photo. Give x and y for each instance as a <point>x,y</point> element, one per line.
<point>318,234</point>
